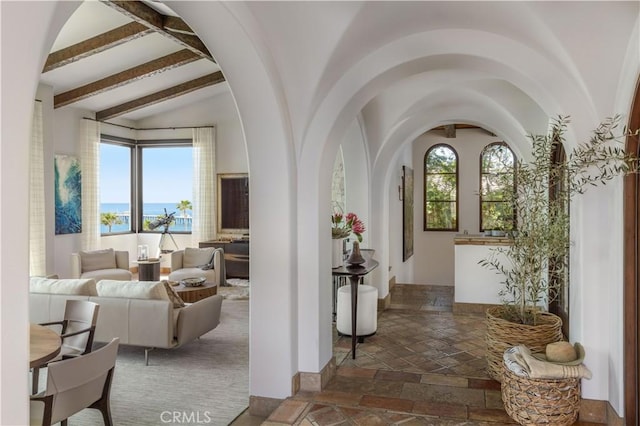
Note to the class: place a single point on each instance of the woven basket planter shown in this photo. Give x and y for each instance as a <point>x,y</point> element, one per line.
<point>540,401</point>
<point>503,334</point>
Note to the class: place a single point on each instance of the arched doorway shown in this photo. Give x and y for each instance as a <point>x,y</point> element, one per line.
<point>560,304</point>
<point>632,275</point>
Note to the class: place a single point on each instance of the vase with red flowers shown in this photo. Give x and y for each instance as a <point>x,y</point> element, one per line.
<point>342,226</point>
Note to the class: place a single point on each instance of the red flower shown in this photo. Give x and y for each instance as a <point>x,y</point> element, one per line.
<point>351,224</point>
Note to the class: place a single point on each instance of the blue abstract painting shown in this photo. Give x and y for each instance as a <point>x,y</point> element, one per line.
<point>68,184</point>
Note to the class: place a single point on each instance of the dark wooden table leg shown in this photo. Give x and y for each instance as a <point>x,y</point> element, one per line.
<point>354,312</point>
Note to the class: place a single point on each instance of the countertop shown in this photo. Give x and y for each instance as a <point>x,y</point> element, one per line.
<point>480,240</point>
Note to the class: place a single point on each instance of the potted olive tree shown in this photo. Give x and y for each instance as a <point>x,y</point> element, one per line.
<point>535,263</point>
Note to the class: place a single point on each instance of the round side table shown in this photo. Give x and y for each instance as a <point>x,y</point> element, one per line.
<point>149,270</point>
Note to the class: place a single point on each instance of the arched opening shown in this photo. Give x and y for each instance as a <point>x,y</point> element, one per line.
<point>632,275</point>
<point>560,303</point>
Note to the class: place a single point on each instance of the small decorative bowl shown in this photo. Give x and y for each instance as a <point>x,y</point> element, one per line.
<point>193,282</point>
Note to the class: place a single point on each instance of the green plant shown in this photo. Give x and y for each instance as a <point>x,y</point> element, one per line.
<point>109,219</point>
<point>183,206</point>
<point>536,262</point>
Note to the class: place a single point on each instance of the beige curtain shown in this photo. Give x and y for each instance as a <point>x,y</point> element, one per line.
<point>204,185</point>
<point>90,169</point>
<point>37,236</point>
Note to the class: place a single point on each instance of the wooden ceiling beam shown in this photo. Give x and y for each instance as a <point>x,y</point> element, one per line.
<point>175,24</point>
<point>122,78</point>
<point>155,20</point>
<point>163,95</point>
<point>449,130</point>
<point>96,44</point>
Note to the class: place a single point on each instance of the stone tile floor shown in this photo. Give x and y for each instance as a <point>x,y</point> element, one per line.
<point>424,366</point>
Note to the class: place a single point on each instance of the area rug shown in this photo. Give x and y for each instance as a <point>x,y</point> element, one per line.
<point>203,382</point>
<point>236,289</point>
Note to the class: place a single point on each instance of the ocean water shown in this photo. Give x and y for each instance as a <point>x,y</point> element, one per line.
<point>148,209</point>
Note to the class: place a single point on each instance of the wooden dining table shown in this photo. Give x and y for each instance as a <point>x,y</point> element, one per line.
<point>44,345</point>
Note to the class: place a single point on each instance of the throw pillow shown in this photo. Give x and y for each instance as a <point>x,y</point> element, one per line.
<point>97,259</point>
<point>132,289</point>
<point>173,296</point>
<point>196,257</point>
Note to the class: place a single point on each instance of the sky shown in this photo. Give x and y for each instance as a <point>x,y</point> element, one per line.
<point>167,174</point>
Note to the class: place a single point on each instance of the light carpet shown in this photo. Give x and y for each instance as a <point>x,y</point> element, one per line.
<point>202,382</point>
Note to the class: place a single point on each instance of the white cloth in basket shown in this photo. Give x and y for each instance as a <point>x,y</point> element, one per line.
<point>519,360</point>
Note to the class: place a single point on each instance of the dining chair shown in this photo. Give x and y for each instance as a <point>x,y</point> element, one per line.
<point>75,384</point>
<point>77,330</point>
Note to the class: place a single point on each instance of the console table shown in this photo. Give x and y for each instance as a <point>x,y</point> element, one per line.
<point>355,273</point>
<point>236,256</point>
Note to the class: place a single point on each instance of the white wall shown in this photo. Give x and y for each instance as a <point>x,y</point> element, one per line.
<point>45,95</point>
<point>433,258</point>
<point>220,111</point>
<point>23,53</point>
<point>66,141</point>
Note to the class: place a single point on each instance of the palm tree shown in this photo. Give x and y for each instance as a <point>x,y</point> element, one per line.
<point>109,219</point>
<point>183,206</point>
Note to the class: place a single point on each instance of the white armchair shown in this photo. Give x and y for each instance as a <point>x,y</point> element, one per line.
<point>205,262</point>
<point>105,264</point>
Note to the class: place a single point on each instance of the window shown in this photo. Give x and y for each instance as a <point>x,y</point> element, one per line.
<point>166,186</point>
<point>441,189</point>
<point>115,187</point>
<point>497,163</point>
<point>141,180</point>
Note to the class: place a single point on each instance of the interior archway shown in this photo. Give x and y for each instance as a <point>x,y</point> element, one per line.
<point>632,275</point>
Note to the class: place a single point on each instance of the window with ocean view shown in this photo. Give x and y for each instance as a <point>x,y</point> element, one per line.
<point>141,181</point>
<point>115,188</point>
<point>167,186</point>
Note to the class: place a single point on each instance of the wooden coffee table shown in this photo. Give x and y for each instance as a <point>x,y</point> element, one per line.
<point>193,294</point>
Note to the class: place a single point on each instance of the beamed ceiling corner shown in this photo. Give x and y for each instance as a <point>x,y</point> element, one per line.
<point>144,20</point>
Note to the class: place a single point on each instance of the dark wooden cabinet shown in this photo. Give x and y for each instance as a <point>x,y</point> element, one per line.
<point>236,256</point>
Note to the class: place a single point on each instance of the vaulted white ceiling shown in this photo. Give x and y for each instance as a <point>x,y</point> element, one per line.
<point>385,61</point>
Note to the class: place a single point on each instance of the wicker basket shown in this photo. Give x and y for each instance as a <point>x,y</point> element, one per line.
<point>540,401</point>
<point>503,334</point>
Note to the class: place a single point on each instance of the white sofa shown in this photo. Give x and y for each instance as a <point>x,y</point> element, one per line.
<point>140,313</point>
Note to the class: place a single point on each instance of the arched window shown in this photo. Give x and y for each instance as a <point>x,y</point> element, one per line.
<point>497,163</point>
<point>441,189</point>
